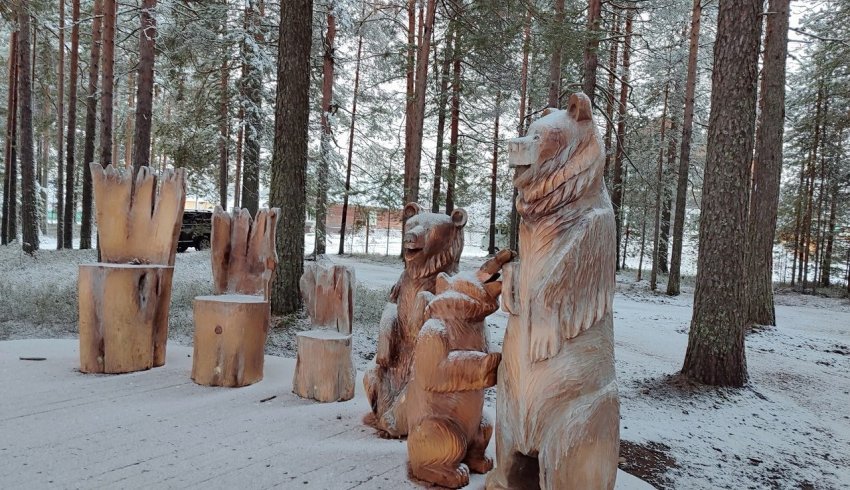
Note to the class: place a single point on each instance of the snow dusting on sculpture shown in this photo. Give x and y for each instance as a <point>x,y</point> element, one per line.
<point>557,405</point>
<point>432,244</point>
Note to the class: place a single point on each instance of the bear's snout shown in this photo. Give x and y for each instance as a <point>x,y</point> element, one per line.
<point>523,151</point>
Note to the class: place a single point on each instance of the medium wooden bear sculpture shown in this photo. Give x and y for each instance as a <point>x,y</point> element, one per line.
<point>432,244</point>
<point>451,367</point>
<point>557,404</point>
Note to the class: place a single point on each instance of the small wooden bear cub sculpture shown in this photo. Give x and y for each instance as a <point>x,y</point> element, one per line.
<point>451,367</point>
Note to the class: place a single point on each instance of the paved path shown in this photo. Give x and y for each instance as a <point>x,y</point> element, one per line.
<point>157,429</point>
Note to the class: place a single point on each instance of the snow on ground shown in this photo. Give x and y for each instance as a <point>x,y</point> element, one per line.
<point>789,428</point>
<point>157,429</point>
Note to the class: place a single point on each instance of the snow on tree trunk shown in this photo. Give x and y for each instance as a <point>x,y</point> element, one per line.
<point>618,179</point>
<point>252,86</point>
<point>715,353</point>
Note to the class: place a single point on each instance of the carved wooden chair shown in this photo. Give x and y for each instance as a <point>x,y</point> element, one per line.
<point>231,325</point>
<point>124,299</point>
<point>324,370</point>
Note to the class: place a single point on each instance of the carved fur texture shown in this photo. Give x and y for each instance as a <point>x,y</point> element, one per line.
<point>432,245</point>
<point>451,367</point>
<point>557,403</point>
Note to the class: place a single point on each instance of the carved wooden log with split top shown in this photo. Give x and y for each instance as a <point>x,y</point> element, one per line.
<point>451,368</point>
<point>324,370</point>
<point>432,244</point>
<point>557,406</point>
<point>124,300</point>
<point>231,326</point>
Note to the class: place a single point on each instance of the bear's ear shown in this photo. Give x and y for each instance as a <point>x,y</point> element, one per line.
<point>411,209</point>
<point>459,217</point>
<point>580,109</point>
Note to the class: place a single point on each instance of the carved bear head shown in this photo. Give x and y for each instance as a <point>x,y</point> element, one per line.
<point>432,242</point>
<point>559,161</point>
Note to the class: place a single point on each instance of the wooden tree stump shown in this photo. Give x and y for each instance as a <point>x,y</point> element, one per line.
<point>324,370</point>
<point>230,339</point>
<point>328,293</point>
<point>124,300</point>
<point>123,316</point>
<point>231,327</point>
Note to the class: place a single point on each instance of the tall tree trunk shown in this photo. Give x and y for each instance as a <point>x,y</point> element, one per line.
<point>555,61</point>
<point>664,237</point>
<point>513,236</point>
<point>685,155</point>
<point>71,140</point>
<point>289,161</point>
<point>9,232</point>
<point>613,55</point>
<point>767,169</point>
<point>108,81</point>
<point>618,180</point>
<point>410,100</point>
<point>451,179</point>
<point>324,165</point>
<point>253,87</point>
<point>237,173</point>
<point>642,239</point>
<point>29,208</point>
<point>144,87</point>
<point>91,125</point>
<point>413,150</point>
<point>441,118</point>
<point>715,353</point>
<point>224,133</point>
<point>350,158</point>
<point>826,267</point>
<point>60,131</point>
<point>820,111</point>
<point>591,57</point>
<point>491,246</point>
<point>659,176</point>
<point>128,123</point>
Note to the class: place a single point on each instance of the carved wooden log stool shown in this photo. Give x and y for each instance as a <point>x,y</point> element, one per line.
<point>231,326</point>
<point>124,300</point>
<point>324,370</point>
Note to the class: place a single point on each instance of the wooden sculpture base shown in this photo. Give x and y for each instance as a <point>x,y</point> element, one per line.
<point>123,316</point>
<point>324,370</point>
<point>230,339</point>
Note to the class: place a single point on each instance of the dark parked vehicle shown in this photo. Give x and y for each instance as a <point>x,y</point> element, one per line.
<point>196,230</point>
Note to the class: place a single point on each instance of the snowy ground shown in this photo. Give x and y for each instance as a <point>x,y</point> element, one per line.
<point>789,428</point>
<point>157,429</point>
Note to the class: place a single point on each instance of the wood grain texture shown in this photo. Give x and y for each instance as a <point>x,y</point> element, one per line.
<point>230,339</point>
<point>328,293</point>
<point>324,369</point>
<point>432,245</point>
<point>135,222</point>
<point>243,251</point>
<point>123,316</point>
<point>448,435</point>
<point>557,402</point>
<point>231,326</point>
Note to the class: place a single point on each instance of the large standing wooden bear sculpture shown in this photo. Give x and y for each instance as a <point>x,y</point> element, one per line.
<point>432,244</point>
<point>557,404</point>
